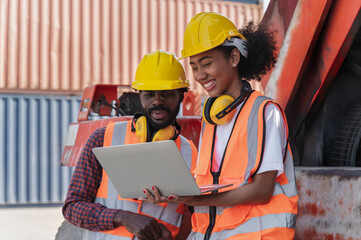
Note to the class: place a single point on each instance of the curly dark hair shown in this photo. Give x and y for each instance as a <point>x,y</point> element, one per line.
<point>262,55</point>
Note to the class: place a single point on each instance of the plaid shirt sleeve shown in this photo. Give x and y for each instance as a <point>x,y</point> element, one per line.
<point>79,207</point>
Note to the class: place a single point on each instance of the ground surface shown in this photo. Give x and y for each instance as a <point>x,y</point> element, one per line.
<point>38,223</point>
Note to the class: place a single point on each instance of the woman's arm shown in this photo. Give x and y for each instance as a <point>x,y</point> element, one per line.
<point>258,192</point>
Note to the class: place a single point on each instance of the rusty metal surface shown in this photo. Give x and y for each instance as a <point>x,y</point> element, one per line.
<point>300,38</point>
<point>341,26</point>
<point>329,203</point>
<point>78,134</point>
<point>67,45</point>
<point>277,19</point>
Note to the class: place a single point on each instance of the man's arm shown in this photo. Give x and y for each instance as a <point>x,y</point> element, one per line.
<point>79,207</point>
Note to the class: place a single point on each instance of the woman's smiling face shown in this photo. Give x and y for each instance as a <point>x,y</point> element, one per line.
<point>217,74</point>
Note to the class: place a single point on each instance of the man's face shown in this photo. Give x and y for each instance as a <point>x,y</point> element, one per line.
<point>161,107</point>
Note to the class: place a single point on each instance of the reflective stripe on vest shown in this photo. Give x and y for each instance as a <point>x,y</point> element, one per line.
<point>170,214</point>
<point>248,143</point>
<point>253,225</point>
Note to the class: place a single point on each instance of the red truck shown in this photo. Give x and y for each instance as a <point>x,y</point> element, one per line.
<point>317,80</point>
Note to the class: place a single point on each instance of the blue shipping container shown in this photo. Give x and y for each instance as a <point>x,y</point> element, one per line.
<point>33,130</point>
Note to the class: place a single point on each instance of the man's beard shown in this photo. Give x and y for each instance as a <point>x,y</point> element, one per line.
<point>169,121</point>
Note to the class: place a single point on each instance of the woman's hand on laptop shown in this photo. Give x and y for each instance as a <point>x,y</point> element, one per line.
<point>156,197</point>
<point>153,196</point>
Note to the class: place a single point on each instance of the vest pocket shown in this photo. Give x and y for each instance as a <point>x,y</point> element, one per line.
<point>233,216</point>
<point>200,221</point>
<point>236,181</point>
<point>200,170</point>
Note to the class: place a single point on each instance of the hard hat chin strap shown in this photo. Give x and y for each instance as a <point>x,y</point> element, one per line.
<point>239,43</point>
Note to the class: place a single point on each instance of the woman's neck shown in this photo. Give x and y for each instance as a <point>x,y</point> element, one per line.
<point>235,89</point>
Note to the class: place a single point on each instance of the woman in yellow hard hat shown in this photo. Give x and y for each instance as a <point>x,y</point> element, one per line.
<point>243,139</point>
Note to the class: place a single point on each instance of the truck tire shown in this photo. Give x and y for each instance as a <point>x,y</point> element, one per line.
<point>68,231</point>
<point>346,149</point>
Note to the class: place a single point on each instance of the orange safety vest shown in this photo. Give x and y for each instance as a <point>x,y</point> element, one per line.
<point>241,161</point>
<point>169,214</point>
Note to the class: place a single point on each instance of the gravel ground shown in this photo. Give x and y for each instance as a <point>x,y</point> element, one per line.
<point>36,223</point>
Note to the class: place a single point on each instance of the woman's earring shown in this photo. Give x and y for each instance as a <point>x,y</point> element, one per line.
<point>234,65</point>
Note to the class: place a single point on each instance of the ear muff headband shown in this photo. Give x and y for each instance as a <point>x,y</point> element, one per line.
<point>245,92</point>
<point>207,109</point>
<point>220,110</point>
<point>164,134</point>
<point>219,105</point>
<point>142,130</point>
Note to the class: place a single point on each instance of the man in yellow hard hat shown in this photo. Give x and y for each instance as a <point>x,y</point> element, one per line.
<point>92,202</point>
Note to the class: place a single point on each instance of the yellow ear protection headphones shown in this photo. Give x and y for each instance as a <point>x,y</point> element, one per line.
<point>142,130</point>
<point>220,110</point>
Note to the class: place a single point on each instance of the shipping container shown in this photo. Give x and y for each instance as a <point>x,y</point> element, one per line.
<point>67,45</point>
<point>33,130</point>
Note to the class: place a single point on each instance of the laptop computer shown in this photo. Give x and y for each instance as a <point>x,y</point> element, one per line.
<point>134,167</point>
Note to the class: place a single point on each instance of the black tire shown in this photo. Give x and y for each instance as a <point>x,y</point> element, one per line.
<point>68,231</point>
<point>346,147</point>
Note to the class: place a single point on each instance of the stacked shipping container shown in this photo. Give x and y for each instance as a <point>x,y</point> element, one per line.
<point>66,45</point>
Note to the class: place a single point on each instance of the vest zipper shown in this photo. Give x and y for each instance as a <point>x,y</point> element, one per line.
<point>212,209</point>
<point>212,221</point>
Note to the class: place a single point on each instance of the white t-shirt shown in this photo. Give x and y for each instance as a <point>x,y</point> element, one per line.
<point>275,142</point>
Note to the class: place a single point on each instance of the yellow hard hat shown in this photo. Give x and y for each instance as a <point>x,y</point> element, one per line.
<point>160,70</point>
<point>207,30</point>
